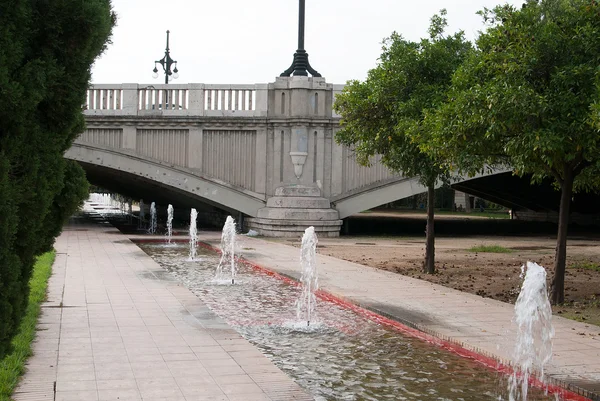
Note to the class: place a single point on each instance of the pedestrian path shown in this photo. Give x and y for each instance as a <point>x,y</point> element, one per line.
<point>115,327</point>
<point>477,324</point>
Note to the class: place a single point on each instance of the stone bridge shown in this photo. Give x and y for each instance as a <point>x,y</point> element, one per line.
<point>265,151</point>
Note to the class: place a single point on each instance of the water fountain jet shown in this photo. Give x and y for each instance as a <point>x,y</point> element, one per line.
<point>193,233</point>
<point>169,223</point>
<point>305,305</point>
<point>227,249</point>
<point>533,316</point>
<point>152,228</point>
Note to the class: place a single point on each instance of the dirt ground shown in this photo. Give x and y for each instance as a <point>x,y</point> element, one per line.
<point>492,275</point>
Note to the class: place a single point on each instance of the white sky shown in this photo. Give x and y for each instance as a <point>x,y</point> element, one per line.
<point>253,41</point>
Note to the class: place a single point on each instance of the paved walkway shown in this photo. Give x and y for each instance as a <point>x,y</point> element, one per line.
<point>114,329</point>
<point>479,324</point>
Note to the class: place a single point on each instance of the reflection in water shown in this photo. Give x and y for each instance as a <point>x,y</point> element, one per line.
<point>340,356</point>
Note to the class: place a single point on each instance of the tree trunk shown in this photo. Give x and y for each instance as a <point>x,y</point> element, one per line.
<point>430,234</point>
<point>560,259</point>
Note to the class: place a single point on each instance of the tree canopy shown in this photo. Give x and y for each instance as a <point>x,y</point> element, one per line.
<point>384,115</point>
<point>46,51</point>
<point>528,97</point>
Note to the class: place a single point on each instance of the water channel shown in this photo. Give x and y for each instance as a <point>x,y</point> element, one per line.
<point>341,355</point>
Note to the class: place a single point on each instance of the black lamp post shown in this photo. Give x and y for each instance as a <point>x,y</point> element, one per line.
<point>166,62</point>
<point>300,66</point>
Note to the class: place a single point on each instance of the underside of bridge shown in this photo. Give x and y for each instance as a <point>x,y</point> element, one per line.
<point>518,193</point>
<point>136,187</point>
<point>535,211</point>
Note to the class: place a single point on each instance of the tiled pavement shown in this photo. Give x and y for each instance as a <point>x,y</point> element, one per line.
<point>114,328</point>
<point>478,324</point>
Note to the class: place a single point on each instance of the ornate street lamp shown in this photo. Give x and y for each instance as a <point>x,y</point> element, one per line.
<point>300,66</point>
<point>166,62</point>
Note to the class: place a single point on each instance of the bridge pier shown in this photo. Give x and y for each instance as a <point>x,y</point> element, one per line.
<point>292,210</point>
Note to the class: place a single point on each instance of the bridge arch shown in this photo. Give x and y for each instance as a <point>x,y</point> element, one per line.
<point>175,178</point>
<point>376,194</point>
<point>395,188</point>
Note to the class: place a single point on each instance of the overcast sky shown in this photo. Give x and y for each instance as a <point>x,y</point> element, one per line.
<point>253,41</point>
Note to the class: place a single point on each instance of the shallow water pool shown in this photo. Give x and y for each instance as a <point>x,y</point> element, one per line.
<point>341,355</point>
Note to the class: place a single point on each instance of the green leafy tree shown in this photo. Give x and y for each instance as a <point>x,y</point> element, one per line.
<point>384,114</point>
<point>46,50</point>
<point>527,98</point>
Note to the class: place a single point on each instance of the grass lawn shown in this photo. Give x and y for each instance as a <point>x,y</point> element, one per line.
<point>13,364</point>
<point>586,265</point>
<point>490,249</point>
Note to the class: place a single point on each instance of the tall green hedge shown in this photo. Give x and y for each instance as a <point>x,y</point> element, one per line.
<point>46,52</point>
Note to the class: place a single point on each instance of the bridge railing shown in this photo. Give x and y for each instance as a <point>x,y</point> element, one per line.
<point>177,100</point>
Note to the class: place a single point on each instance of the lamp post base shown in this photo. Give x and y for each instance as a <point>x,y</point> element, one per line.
<point>300,66</point>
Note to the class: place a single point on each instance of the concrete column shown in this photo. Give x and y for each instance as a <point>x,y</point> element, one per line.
<point>337,89</point>
<point>328,103</point>
<point>196,100</point>
<point>129,137</point>
<point>130,99</point>
<point>462,202</point>
<point>194,148</point>
<point>261,106</point>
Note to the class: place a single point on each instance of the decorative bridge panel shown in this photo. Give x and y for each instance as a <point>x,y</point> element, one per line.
<point>230,156</point>
<point>112,138</point>
<point>355,176</point>
<point>167,145</point>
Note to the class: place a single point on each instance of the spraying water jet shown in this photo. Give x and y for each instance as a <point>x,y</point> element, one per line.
<point>533,316</point>
<point>152,228</point>
<point>305,305</point>
<point>193,233</point>
<point>169,223</point>
<point>227,249</point>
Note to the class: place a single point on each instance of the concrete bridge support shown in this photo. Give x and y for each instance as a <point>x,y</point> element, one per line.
<point>300,109</point>
<point>292,210</point>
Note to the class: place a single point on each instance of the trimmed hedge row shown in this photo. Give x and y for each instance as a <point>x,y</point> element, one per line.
<point>46,52</point>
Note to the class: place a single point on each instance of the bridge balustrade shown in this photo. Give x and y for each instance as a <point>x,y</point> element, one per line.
<point>177,100</point>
